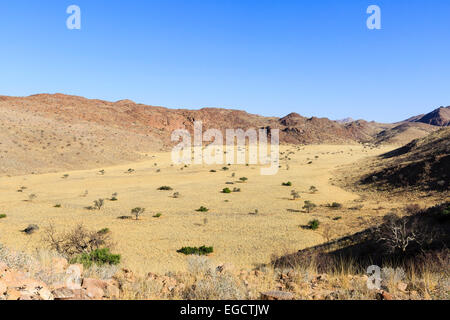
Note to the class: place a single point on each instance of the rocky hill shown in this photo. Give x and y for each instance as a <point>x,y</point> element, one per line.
<point>424,163</point>
<point>52,132</point>
<point>439,117</point>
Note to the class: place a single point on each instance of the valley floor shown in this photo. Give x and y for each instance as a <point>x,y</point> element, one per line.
<point>239,237</point>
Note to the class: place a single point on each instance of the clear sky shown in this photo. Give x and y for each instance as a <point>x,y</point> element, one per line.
<point>313,57</point>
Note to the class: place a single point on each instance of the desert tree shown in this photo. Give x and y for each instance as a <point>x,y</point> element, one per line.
<point>137,212</point>
<point>309,206</point>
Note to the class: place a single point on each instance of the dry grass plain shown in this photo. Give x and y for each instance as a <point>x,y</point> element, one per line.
<point>240,238</point>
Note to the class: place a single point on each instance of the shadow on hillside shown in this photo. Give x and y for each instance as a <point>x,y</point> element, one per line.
<point>421,237</point>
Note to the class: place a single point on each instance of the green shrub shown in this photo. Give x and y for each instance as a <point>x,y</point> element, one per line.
<point>98,257</point>
<point>158,215</point>
<point>225,168</point>
<point>2,216</point>
<point>314,224</point>
<point>243,179</point>
<point>104,231</point>
<point>287,184</point>
<point>203,250</point>
<point>226,190</point>
<point>202,209</point>
<point>57,206</point>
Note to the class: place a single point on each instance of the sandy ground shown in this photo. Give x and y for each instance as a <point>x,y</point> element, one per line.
<point>238,237</point>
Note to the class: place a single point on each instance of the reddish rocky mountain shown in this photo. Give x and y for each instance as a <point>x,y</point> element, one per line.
<point>49,132</point>
<point>439,117</point>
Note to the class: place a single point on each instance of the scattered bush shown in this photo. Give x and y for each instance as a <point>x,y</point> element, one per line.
<point>225,168</point>
<point>295,195</point>
<point>158,215</point>
<point>137,212</point>
<point>176,195</point>
<point>212,171</point>
<point>165,188</point>
<point>309,206</point>
<point>202,209</point>
<point>203,250</point>
<point>243,179</point>
<point>226,190</point>
<point>287,184</point>
<point>313,189</point>
<point>114,197</point>
<point>57,205</point>
<point>104,231</point>
<point>32,228</point>
<point>236,189</point>
<point>76,242</point>
<point>335,205</point>
<point>98,257</point>
<point>98,204</point>
<point>3,216</point>
<point>337,218</point>
<point>314,224</point>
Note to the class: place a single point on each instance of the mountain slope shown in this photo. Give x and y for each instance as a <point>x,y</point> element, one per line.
<point>439,117</point>
<point>423,164</point>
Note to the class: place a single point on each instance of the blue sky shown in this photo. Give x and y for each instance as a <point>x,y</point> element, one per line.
<point>313,57</point>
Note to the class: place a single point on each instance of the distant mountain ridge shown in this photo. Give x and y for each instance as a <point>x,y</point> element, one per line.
<point>49,132</point>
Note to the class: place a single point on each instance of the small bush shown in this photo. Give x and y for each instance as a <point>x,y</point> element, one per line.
<point>104,231</point>
<point>165,188</point>
<point>337,218</point>
<point>212,171</point>
<point>225,168</point>
<point>309,206</point>
<point>57,206</point>
<point>287,184</point>
<point>98,257</point>
<point>236,189</point>
<point>176,195</point>
<point>314,224</point>
<point>203,250</point>
<point>335,205</point>
<point>313,189</point>
<point>202,209</point>
<point>243,179</point>
<point>3,216</point>
<point>295,195</point>
<point>114,197</point>
<point>226,190</point>
<point>158,215</point>
<point>137,212</point>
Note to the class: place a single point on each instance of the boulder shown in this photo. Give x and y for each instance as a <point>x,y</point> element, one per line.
<point>95,288</point>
